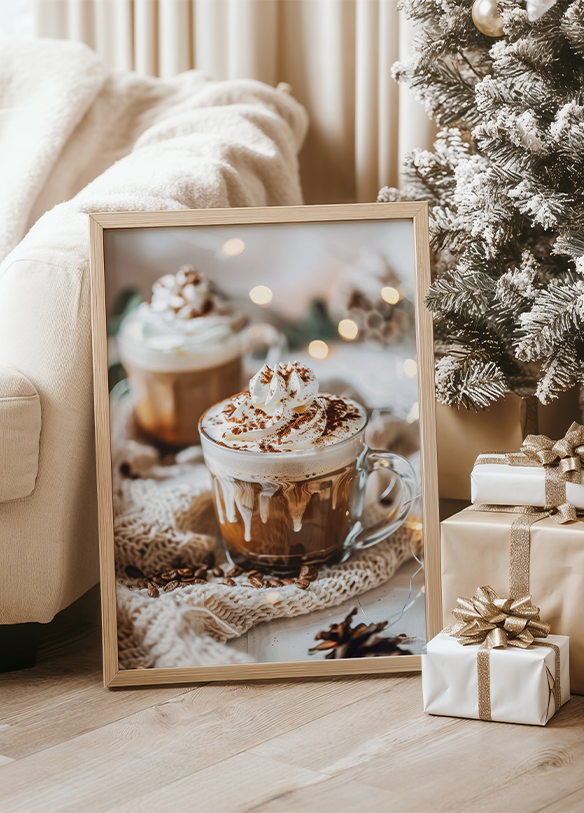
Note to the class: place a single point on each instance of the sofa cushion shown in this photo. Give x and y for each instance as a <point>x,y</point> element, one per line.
<point>20,430</point>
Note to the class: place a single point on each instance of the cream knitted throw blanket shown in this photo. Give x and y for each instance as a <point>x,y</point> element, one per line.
<point>157,506</point>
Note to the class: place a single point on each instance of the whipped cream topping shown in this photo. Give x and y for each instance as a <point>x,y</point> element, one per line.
<point>184,295</point>
<point>185,325</point>
<point>281,412</point>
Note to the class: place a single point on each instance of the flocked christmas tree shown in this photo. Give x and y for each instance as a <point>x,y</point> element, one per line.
<point>505,184</point>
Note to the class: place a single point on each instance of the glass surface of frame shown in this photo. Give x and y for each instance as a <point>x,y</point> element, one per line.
<point>265,439</point>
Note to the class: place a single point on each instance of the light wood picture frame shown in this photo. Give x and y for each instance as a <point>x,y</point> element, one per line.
<point>104,228</point>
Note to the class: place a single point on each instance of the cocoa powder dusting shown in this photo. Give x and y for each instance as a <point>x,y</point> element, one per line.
<point>305,417</point>
<point>338,414</point>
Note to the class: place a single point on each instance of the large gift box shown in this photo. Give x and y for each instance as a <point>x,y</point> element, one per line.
<point>520,684</point>
<point>518,554</point>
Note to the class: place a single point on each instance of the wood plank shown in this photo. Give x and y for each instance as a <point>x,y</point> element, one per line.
<point>63,696</point>
<point>179,737</point>
<point>401,741</point>
<point>253,782</point>
<point>573,803</point>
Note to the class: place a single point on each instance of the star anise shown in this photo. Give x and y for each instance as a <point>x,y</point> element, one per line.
<point>363,641</point>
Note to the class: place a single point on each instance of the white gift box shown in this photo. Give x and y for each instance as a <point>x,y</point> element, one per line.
<point>521,680</point>
<point>502,484</point>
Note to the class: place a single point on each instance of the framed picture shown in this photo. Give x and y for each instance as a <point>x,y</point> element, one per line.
<point>265,436</point>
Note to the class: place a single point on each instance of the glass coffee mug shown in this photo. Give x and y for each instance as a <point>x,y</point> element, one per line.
<point>281,510</point>
<point>174,381</point>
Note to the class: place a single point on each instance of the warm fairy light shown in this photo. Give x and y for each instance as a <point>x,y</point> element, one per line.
<point>318,349</point>
<point>234,246</point>
<point>390,295</point>
<point>348,329</point>
<point>410,368</point>
<point>274,597</point>
<point>261,295</point>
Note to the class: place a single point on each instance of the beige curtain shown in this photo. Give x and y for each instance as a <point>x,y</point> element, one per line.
<point>335,54</point>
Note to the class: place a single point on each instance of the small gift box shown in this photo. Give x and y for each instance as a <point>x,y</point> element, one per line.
<point>498,662</point>
<point>521,682</point>
<point>518,554</point>
<point>544,473</point>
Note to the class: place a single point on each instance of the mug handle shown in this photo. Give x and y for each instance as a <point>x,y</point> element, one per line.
<point>371,460</point>
<point>263,333</point>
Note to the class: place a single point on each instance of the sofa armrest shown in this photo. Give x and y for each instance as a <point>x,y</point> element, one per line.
<point>20,429</point>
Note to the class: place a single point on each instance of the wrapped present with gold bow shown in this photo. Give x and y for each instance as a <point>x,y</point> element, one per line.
<point>497,662</point>
<point>519,551</point>
<point>544,472</point>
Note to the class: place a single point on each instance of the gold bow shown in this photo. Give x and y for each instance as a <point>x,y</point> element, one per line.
<point>565,454</point>
<point>494,622</point>
<point>562,460</point>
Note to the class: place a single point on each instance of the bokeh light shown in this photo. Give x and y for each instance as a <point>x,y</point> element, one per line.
<point>410,368</point>
<point>233,246</point>
<point>261,295</point>
<point>318,349</point>
<point>390,295</point>
<point>348,329</point>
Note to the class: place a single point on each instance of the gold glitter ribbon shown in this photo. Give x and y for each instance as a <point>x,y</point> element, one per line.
<point>519,542</point>
<point>492,622</point>
<point>562,463</point>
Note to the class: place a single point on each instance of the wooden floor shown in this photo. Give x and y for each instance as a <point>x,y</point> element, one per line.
<point>67,744</point>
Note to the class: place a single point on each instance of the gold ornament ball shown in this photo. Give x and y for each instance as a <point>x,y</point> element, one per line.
<point>486,17</point>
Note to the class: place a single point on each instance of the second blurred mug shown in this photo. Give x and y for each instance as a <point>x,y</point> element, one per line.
<point>179,361</point>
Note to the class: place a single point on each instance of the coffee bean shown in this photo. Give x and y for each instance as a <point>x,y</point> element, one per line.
<point>158,580</point>
<point>228,581</point>
<point>256,574</point>
<point>303,584</point>
<point>142,584</point>
<point>308,573</point>
<point>256,582</point>
<point>288,581</point>
<point>169,575</point>
<point>133,572</point>
<point>234,572</point>
<point>169,586</point>
<point>188,580</point>
<point>201,573</point>
<point>275,583</point>
<point>200,581</point>
<point>208,559</point>
<point>218,571</point>
<point>185,572</point>
<point>153,590</point>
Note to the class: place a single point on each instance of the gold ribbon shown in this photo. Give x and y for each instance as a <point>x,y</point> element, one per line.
<point>562,463</point>
<point>492,622</point>
<point>495,622</point>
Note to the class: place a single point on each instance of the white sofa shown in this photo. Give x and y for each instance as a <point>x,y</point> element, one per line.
<point>186,143</point>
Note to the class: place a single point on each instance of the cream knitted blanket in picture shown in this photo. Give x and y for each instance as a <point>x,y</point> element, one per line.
<point>156,507</point>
